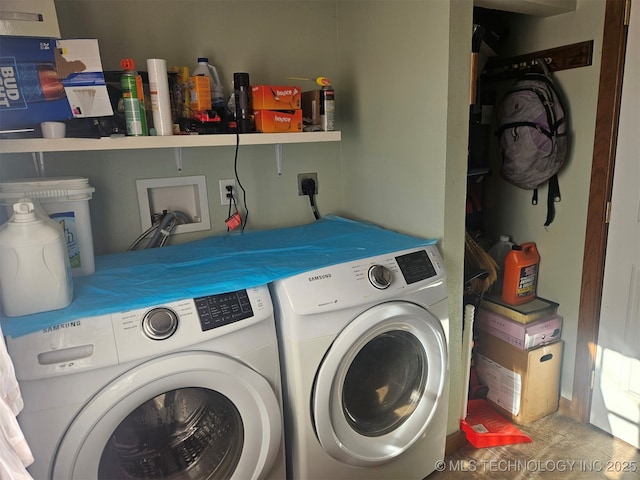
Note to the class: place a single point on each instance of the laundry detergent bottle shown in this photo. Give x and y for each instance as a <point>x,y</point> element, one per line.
<point>217,92</point>
<point>35,274</point>
<point>520,274</point>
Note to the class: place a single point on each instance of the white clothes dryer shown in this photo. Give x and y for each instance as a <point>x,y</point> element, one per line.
<point>185,390</point>
<point>364,355</point>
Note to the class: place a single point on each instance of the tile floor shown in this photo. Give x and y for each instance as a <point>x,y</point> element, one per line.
<point>561,449</point>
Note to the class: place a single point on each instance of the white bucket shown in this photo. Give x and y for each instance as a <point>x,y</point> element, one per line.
<point>65,200</point>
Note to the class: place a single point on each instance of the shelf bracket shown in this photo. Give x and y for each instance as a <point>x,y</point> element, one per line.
<point>279,158</point>
<point>38,163</point>
<point>177,152</point>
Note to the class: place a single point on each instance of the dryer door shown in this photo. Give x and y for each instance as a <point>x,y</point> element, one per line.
<point>190,415</point>
<point>379,384</point>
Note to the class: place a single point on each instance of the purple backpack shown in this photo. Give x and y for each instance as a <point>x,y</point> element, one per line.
<point>532,130</point>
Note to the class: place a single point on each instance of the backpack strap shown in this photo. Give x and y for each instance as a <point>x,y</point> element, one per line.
<point>553,196</point>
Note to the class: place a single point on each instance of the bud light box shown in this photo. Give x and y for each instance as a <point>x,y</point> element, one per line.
<point>47,79</point>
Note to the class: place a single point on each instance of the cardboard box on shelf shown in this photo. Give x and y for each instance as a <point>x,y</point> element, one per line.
<point>524,313</point>
<point>311,107</point>
<point>522,335</point>
<point>275,97</point>
<point>524,385</point>
<point>47,79</point>
<point>29,18</point>
<point>273,121</point>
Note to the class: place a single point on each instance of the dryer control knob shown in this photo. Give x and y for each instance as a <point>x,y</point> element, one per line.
<point>159,323</point>
<point>380,277</point>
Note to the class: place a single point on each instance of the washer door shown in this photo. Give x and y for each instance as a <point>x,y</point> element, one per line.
<point>191,415</point>
<point>379,384</point>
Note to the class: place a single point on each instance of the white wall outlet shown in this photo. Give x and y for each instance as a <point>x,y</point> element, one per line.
<point>185,194</point>
<point>223,190</point>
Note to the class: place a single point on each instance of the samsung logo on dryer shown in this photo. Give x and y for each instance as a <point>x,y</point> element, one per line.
<point>315,278</point>
<point>55,328</point>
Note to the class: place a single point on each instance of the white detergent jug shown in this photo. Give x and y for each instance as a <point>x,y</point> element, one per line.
<point>217,92</point>
<point>35,274</point>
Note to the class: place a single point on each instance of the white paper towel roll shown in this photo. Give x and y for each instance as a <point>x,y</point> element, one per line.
<point>159,90</point>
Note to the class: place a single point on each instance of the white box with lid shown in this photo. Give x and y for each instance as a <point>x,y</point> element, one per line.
<point>65,200</point>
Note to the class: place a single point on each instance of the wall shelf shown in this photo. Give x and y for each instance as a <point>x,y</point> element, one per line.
<point>176,141</point>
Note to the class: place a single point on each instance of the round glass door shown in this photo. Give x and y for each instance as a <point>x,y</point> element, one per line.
<point>380,383</point>
<point>190,415</point>
<point>186,434</point>
<point>384,383</point>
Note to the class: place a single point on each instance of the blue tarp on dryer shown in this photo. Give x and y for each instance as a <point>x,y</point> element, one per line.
<point>144,278</point>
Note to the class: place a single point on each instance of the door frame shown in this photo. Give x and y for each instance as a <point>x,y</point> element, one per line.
<point>614,43</point>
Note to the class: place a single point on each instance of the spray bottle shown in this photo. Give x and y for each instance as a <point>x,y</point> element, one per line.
<point>327,96</point>
<point>327,104</point>
<point>133,99</point>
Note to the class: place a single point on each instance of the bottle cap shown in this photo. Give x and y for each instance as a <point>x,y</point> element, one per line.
<point>203,59</point>
<point>128,64</point>
<point>504,238</point>
<point>23,212</point>
<point>323,81</point>
<point>241,79</point>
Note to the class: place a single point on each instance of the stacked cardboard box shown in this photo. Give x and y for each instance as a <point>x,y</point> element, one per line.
<point>276,108</point>
<point>519,357</point>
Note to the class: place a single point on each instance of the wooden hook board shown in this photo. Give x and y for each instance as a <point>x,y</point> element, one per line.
<point>558,58</point>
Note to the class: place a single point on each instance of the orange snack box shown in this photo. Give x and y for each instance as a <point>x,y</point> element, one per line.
<point>275,97</point>
<point>272,121</point>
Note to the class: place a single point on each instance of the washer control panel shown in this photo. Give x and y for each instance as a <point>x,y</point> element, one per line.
<point>159,323</point>
<point>105,340</point>
<point>218,310</point>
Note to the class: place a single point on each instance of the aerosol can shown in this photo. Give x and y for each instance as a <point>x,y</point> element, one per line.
<point>327,104</point>
<point>327,100</point>
<point>133,99</point>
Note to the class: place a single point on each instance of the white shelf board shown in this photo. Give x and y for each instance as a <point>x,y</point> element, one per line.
<point>174,141</point>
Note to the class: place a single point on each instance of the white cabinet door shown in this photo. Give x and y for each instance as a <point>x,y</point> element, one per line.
<point>615,404</point>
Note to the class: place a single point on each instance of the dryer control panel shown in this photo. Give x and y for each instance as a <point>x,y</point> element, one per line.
<point>373,279</point>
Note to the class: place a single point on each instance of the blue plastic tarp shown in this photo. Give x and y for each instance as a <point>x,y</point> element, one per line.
<point>145,278</point>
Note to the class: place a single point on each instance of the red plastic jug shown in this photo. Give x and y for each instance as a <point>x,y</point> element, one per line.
<point>520,274</point>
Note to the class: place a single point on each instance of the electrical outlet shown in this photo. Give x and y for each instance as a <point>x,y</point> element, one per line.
<point>223,190</point>
<point>304,176</point>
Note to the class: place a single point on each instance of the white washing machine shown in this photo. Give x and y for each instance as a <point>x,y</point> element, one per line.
<point>185,390</point>
<point>364,353</point>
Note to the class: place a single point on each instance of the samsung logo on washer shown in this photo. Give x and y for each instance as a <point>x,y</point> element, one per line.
<point>54,328</point>
<point>315,278</point>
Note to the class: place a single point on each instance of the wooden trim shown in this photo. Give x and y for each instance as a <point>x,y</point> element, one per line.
<point>559,58</point>
<point>606,131</point>
<point>564,407</point>
<point>455,442</point>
